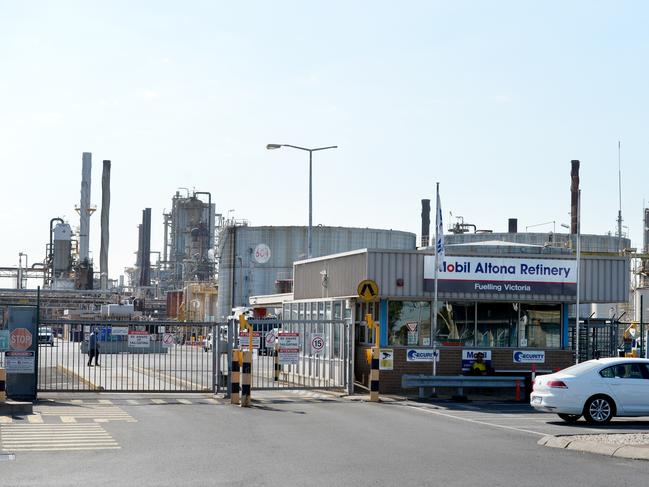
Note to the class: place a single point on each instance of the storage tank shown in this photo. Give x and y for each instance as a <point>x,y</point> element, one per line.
<point>259,260</point>
<point>62,250</point>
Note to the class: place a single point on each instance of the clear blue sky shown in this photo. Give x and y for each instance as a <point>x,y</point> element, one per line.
<point>492,99</point>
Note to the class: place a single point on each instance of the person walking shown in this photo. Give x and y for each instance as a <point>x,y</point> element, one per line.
<point>93,348</point>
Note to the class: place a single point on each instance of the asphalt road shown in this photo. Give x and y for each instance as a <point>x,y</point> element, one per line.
<point>176,440</point>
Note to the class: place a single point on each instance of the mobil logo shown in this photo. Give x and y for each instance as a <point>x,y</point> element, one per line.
<point>457,267</point>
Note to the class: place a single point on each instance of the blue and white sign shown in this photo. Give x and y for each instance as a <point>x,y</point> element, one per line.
<point>529,356</point>
<point>502,275</point>
<point>422,355</point>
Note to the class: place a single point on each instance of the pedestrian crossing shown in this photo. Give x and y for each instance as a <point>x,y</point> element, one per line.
<point>98,412</point>
<point>55,437</point>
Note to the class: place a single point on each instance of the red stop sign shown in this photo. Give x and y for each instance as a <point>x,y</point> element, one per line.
<point>20,339</point>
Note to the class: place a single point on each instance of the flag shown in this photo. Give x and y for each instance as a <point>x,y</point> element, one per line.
<point>439,234</point>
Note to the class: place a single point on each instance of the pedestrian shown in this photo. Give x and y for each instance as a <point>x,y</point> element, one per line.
<point>93,348</point>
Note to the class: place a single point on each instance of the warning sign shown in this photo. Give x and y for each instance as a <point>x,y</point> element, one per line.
<point>289,339</point>
<point>368,290</point>
<point>19,362</point>
<point>269,339</point>
<point>288,356</point>
<point>139,339</point>
<point>386,359</point>
<point>243,339</point>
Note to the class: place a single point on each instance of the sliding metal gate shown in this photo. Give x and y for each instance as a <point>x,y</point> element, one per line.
<point>321,360</point>
<point>135,356</point>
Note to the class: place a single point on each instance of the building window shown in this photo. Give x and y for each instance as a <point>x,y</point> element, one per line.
<point>540,325</point>
<point>497,325</point>
<point>456,323</point>
<point>409,323</point>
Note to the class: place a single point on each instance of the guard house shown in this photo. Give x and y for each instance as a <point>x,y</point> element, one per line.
<point>509,300</point>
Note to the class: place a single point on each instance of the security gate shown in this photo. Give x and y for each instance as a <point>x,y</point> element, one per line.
<point>134,356</point>
<point>291,354</point>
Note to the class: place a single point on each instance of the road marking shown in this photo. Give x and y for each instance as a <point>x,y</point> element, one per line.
<point>5,419</point>
<point>475,421</point>
<point>55,437</point>
<point>105,401</point>
<point>88,411</point>
<point>133,402</point>
<point>77,401</point>
<point>184,401</point>
<point>101,420</point>
<point>212,401</point>
<point>68,419</point>
<point>158,401</point>
<point>35,418</point>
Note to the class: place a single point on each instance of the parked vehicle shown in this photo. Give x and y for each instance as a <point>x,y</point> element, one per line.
<point>45,336</point>
<point>596,389</point>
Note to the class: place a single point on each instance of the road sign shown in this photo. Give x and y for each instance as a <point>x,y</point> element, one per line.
<point>317,342</point>
<point>20,339</point>
<point>20,362</point>
<point>167,340</point>
<point>368,290</point>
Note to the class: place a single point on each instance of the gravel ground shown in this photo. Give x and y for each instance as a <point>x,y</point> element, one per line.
<point>614,439</point>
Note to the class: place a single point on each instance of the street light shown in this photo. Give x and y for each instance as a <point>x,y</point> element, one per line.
<point>310,151</point>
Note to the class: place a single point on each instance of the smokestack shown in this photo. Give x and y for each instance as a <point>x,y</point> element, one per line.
<point>574,195</point>
<point>84,207</point>
<point>105,211</point>
<point>145,253</point>
<point>425,222</point>
<point>645,231</point>
<point>513,225</point>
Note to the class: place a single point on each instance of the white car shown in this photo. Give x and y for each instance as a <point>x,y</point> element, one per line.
<point>596,389</point>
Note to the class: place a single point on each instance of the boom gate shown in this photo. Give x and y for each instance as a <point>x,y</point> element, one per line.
<point>134,356</point>
<point>290,354</point>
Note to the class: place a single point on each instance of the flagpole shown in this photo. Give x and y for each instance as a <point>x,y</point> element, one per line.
<point>434,330</point>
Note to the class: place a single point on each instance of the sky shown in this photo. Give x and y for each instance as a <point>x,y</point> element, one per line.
<point>490,99</point>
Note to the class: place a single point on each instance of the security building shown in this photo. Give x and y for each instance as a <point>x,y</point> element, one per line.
<point>508,300</point>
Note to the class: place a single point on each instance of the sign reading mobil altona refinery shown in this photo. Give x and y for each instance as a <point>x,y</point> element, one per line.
<point>502,275</point>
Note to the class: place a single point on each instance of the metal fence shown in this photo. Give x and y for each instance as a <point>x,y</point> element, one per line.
<point>317,357</point>
<point>134,356</point>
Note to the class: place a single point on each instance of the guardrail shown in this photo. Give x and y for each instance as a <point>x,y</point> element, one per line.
<point>409,381</point>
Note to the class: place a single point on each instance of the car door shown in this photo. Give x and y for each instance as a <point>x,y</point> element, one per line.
<point>629,386</point>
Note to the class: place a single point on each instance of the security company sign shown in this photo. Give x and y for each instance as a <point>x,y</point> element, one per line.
<point>422,355</point>
<point>481,275</point>
<point>20,339</point>
<point>529,356</point>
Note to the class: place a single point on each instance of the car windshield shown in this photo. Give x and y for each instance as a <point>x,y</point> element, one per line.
<point>45,331</point>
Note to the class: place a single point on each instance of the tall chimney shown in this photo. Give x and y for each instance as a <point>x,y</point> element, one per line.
<point>574,195</point>
<point>145,255</point>
<point>425,222</point>
<point>84,207</point>
<point>513,225</point>
<point>105,211</point>
<point>645,232</point>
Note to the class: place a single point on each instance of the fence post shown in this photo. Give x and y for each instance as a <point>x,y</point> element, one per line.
<point>3,385</point>
<point>278,367</point>
<point>234,372</point>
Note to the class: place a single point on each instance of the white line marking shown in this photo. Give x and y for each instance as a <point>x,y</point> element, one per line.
<point>68,419</point>
<point>133,402</point>
<point>184,401</point>
<point>484,423</point>
<point>158,401</point>
<point>35,418</point>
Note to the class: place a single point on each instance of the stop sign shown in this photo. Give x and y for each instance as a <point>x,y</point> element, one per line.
<point>20,339</point>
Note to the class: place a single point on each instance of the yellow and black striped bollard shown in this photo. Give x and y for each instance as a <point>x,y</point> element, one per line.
<point>246,378</point>
<point>278,367</point>
<point>235,376</point>
<point>3,385</point>
<point>374,375</point>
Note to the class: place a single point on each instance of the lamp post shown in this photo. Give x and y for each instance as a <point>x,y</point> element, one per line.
<point>310,151</point>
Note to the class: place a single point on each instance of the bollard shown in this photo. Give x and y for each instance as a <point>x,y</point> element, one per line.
<point>278,367</point>
<point>374,375</point>
<point>3,385</point>
<point>518,390</point>
<point>235,373</point>
<point>246,378</point>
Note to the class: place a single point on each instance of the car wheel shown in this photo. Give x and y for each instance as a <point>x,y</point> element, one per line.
<point>570,418</point>
<point>599,410</point>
